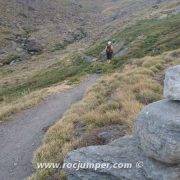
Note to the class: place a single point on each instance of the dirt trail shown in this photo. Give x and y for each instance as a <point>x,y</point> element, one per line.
<point>20,137</point>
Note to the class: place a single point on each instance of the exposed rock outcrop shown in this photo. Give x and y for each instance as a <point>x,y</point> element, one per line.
<point>172,83</point>
<point>158,130</point>
<point>32,46</point>
<point>89,58</point>
<point>124,150</point>
<point>152,152</point>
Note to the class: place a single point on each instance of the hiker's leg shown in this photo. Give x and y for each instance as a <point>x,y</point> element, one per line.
<point>107,56</point>
<point>110,56</point>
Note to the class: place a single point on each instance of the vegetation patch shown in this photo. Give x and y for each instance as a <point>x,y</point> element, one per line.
<point>96,49</point>
<point>28,100</point>
<point>139,38</point>
<point>146,37</point>
<point>80,34</point>
<point>10,58</point>
<point>71,69</point>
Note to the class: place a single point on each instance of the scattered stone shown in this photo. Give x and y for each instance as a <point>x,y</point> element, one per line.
<point>172,83</point>
<point>155,6</point>
<point>33,47</point>
<point>89,58</point>
<point>12,62</point>
<point>15,164</point>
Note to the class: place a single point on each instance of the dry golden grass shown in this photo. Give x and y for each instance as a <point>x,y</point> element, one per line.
<point>115,99</point>
<point>15,76</point>
<point>29,100</point>
<point>12,75</point>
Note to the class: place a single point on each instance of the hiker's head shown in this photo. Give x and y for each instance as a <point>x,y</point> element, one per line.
<point>109,42</point>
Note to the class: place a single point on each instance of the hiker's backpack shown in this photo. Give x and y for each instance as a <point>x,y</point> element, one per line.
<point>109,49</point>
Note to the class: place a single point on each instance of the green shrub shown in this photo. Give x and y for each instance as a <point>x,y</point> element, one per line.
<point>96,49</point>
<point>58,46</point>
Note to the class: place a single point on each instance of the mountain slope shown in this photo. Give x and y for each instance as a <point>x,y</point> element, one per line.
<point>50,24</point>
<point>32,27</point>
<point>43,43</point>
<point>56,36</point>
<point>111,106</point>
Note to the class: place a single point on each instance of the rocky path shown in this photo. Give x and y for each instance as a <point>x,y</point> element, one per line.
<point>20,137</point>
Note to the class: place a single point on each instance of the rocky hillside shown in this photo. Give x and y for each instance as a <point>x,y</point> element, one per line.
<point>32,27</point>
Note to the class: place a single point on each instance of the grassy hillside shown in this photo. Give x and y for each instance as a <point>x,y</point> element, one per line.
<point>147,37</point>
<point>114,101</point>
<point>133,81</point>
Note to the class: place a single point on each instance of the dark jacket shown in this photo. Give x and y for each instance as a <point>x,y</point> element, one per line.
<point>109,49</point>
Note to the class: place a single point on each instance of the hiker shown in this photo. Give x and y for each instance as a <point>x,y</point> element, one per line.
<point>109,51</point>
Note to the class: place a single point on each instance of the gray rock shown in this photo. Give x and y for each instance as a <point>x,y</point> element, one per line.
<point>33,46</point>
<point>158,130</point>
<point>123,150</point>
<point>89,58</point>
<point>172,83</point>
<point>12,62</point>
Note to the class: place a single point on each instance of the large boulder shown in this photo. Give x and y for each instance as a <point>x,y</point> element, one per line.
<point>172,83</point>
<point>158,130</point>
<point>125,153</point>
